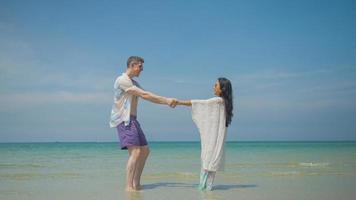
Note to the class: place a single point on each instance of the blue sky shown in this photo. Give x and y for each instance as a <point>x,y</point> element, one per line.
<point>292,65</point>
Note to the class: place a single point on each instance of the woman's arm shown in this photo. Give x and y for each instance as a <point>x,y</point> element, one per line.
<point>184,102</point>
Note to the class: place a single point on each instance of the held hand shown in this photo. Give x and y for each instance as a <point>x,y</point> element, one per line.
<point>172,102</point>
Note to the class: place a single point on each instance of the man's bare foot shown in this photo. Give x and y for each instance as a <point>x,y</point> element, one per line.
<point>137,187</point>
<point>130,189</point>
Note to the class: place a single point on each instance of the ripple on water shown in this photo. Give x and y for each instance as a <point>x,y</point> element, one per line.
<point>185,175</point>
<point>20,165</point>
<point>35,176</point>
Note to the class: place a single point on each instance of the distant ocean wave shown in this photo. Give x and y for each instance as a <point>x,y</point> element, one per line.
<point>310,164</point>
<point>288,173</point>
<point>303,173</point>
<point>280,165</point>
<point>270,169</point>
<point>32,176</point>
<point>283,173</point>
<point>21,165</point>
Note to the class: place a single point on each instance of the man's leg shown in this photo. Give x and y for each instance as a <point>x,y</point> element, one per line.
<point>145,151</point>
<point>134,155</point>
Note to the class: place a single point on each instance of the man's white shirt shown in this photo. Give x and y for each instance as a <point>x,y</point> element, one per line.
<point>121,109</point>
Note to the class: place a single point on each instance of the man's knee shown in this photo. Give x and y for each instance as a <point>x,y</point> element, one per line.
<point>135,152</point>
<point>145,151</point>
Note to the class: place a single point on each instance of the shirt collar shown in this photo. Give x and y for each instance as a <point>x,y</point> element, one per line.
<point>127,76</point>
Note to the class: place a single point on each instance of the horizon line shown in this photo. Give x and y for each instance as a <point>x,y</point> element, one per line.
<point>181,141</point>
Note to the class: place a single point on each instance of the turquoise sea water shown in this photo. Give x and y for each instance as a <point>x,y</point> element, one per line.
<point>253,170</point>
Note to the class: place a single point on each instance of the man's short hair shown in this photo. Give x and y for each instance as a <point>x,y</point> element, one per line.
<point>132,59</point>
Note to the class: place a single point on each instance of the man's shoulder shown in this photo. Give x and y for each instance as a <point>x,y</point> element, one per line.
<point>124,79</point>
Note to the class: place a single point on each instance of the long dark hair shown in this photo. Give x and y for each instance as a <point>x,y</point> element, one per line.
<point>226,94</point>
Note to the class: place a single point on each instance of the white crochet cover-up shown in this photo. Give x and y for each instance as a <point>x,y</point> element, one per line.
<point>209,117</point>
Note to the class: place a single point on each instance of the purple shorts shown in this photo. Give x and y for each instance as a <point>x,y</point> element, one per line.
<point>132,134</point>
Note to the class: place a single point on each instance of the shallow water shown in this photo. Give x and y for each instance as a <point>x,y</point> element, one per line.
<point>253,170</point>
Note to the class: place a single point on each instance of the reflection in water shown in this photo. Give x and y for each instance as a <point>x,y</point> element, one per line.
<point>205,195</point>
<point>168,184</point>
<point>209,195</point>
<point>229,187</point>
<point>134,196</point>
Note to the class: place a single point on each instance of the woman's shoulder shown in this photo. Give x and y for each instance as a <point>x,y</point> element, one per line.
<point>217,99</point>
<point>213,100</point>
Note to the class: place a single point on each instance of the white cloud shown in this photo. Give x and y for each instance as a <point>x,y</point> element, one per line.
<point>19,101</point>
<point>26,81</point>
<point>287,82</point>
<point>273,74</point>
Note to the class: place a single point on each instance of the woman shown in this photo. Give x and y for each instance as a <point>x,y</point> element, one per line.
<point>212,117</point>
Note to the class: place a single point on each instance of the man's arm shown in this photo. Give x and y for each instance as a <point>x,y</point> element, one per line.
<point>150,96</point>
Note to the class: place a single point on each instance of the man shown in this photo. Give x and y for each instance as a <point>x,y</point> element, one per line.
<point>124,118</point>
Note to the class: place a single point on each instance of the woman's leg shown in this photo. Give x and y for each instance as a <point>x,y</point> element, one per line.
<point>206,179</point>
<point>203,179</point>
<point>210,180</point>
